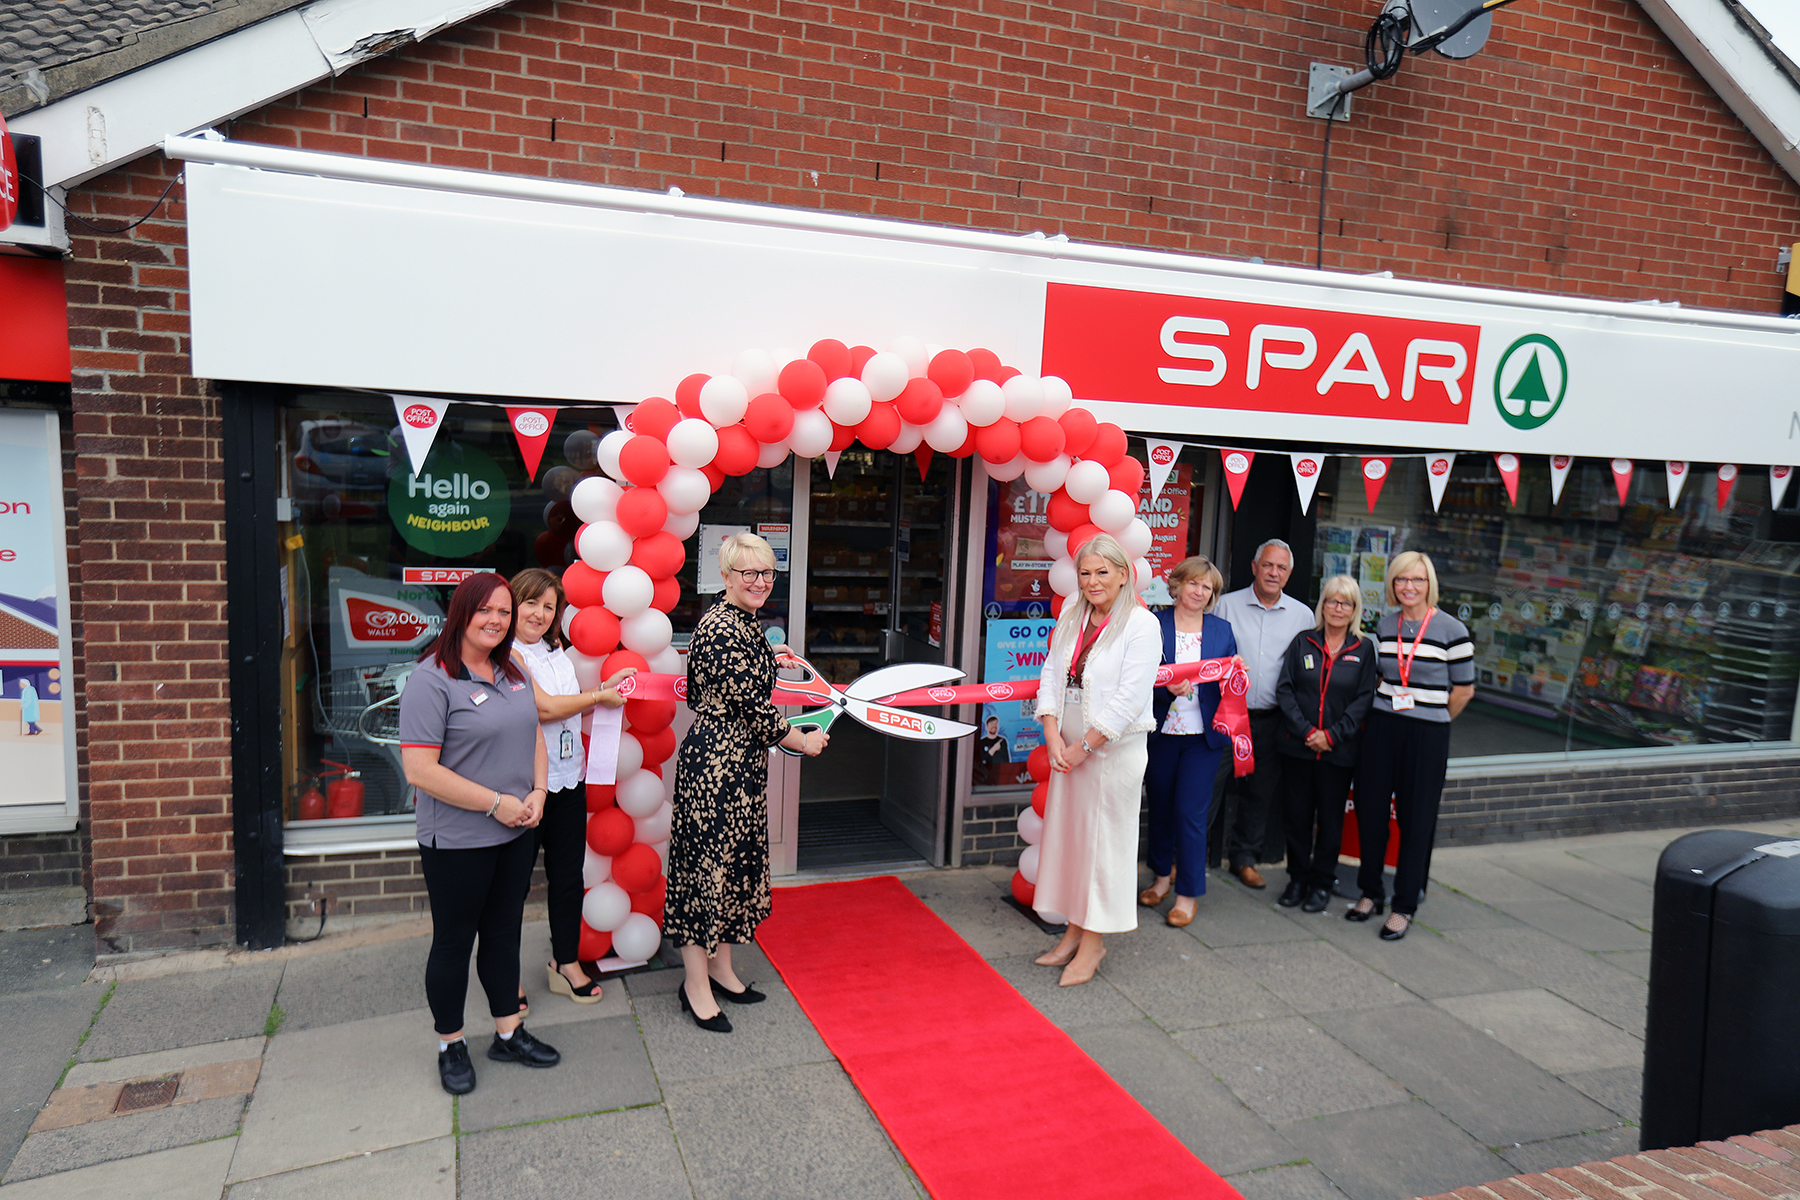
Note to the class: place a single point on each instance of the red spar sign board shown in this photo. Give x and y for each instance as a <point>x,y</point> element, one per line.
<point>9,179</point>
<point>1149,348</point>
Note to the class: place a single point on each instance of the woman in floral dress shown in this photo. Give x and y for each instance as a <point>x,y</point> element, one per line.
<point>719,840</point>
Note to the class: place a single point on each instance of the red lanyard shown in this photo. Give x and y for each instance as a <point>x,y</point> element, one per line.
<point>1401,653</point>
<point>1082,644</point>
<point>1325,679</point>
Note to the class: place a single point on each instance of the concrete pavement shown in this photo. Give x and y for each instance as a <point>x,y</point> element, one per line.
<point>1296,1054</point>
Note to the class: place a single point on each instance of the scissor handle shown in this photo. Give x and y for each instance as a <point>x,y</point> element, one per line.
<point>818,718</point>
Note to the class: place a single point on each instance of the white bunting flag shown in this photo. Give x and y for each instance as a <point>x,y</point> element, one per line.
<point>831,461</point>
<point>1437,474</point>
<point>1162,456</point>
<point>1509,475</point>
<point>1307,467</point>
<point>1559,474</point>
<point>1779,478</point>
<point>420,419</point>
<point>1678,473</point>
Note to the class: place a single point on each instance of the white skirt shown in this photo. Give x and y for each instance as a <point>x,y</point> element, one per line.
<point>1087,858</point>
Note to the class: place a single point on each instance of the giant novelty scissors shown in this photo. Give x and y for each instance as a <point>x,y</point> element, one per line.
<point>860,700</point>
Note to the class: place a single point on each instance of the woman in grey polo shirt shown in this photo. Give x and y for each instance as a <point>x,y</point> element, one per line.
<point>470,747</point>
<point>1427,676</point>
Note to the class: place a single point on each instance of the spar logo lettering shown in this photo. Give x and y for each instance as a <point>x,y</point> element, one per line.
<point>900,720</point>
<point>419,416</point>
<point>1531,381</point>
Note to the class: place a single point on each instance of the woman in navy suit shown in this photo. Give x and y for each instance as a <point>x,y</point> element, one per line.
<point>1184,750</point>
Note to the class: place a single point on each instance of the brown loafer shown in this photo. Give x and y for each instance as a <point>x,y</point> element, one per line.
<point>1150,897</point>
<point>1179,919</point>
<point>1251,877</point>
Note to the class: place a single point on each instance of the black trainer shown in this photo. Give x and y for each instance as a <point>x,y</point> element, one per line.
<point>521,1047</point>
<point>455,1071</point>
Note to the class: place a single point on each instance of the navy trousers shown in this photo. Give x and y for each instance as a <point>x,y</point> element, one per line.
<point>1180,782</point>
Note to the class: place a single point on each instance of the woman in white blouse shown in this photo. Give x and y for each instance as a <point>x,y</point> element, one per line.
<point>1094,702</point>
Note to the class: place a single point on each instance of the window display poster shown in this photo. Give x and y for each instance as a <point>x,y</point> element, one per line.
<point>38,745</point>
<point>707,579</point>
<point>1009,730</point>
<point>1167,516</point>
<point>1019,565</point>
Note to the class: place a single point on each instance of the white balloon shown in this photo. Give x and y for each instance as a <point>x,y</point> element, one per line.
<point>669,662</point>
<point>1088,481</point>
<point>723,399</point>
<point>579,448</point>
<point>682,525</point>
<point>1007,471</point>
<point>587,670</point>
<point>655,827</point>
<point>1062,577</point>
<point>757,370</point>
<point>630,756</point>
<point>627,591</point>
<point>567,619</point>
<point>1058,395</point>
<point>693,442</point>
<point>848,400</point>
<point>596,869</point>
<point>1046,477</point>
<point>1028,865</point>
<point>1136,538</point>
<point>1031,826</point>
<point>606,455</point>
<point>947,431</point>
<point>909,438</point>
<point>662,852</point>
<point>640,793</point>
<point>595,498</point>
<point>638,939</point>
<point>812,433</point>
<point>603,545</point>
<point>685,490</point>
<point>885,375</point>
<point>1111,512</point>
<point>648,633</point>
<point>1024,397</point>
<point>772,454</point>
<point>1140,572</point>
<point>983,403</point>
<point>913,352</point>
<point>1056,543</point>
<point>605,907</point>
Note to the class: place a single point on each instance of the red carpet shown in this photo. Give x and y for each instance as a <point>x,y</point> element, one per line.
<point>984,1097</point>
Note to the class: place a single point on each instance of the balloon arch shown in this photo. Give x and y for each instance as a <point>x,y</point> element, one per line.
<point>656,475</point>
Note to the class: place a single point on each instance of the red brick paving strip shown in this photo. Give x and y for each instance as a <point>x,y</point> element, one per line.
<point>1763,1166</point>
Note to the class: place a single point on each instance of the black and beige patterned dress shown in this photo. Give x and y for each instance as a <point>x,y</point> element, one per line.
<point>719,840</point>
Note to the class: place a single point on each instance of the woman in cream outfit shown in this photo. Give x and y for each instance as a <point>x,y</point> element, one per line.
<point>1094,702</point>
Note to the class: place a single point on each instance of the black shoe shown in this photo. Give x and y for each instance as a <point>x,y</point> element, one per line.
<point>455,1071</point>
<point>1389,934</point>
<point>1359,915</point>
<point>1316,900</point>
<point>717,1023</point>
<point>748,996</point>
<point>1293,894</point>
<point>521,1047</point>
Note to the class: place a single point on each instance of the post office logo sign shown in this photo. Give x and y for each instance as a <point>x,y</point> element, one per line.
<point>1531,381</point>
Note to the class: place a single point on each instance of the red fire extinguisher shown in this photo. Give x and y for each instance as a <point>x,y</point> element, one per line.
<point>344,794</point>
<point>311,804</point>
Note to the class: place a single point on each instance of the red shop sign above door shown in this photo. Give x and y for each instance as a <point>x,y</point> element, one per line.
<point>1149,348</point>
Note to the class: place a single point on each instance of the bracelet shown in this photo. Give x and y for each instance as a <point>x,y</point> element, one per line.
<point>539,788</point>
<point>1085,748</point>
<point>496,806</point>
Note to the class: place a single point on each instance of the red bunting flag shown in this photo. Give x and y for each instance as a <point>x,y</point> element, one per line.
<point>1559,474</point>
<point>1509,474</point>
<point>923,457</point>
<point>1237,469</point>
<point>1621,469</point>
<point>1779,478</point>
<point>1728,474</point>
<point>531,426</point>
<point>1678,473</point>
<point>1437,474</point>
<point>1375,473</point>
<point>1307,467</point>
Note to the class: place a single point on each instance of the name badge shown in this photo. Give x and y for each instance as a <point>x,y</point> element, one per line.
<point>568,744</point>
<point>1403,700</point>
<point>478,698</point>
<point>1306,663</point>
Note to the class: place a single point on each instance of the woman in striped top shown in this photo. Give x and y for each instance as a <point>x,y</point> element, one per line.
<point>1427,677</point>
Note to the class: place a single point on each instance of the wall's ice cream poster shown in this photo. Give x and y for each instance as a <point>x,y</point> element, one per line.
<point>37,743</point>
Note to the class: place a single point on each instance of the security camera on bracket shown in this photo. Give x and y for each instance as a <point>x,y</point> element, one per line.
<point>1450,27</point>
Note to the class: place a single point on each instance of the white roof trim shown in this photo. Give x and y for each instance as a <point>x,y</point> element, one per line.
<point>1739,68</point>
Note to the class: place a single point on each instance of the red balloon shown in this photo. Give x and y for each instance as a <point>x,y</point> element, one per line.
<point>952,371</point>
<point>601,795</point>
<point>642,511</point>
<point>987,365</point>
<point>668,595</point>
<point>832,356</point>
<point>1056,606</point>
<point>920,402</point>
<point>594,944</point>
<point>999,442</point>
<point>581,585</point>
<point>618,660</point>
<point>1023,891</point>
<point>687,395</point>
<point>637,868</point>
<point>1108,446</point>
<point>594,631</point>
<point>802,382</point>
<point>655,769</point>
<point>660,555</point>
<point>654,418</point>
<point>879,429</point>
<point>968,446</point>
<point>859,358</point>
<point>644,460</point>
<point>1064,512</point>
<point>1079,428</point>
<point>1037,763</point>
<point>1040,796</point>
<point>653,911</point>
<point>1080,536</point>
<point>715,478</point>
<point>770,418</point>
<point>547,549</point>
<point>1007,373</point>
<point>1041,438</point>
<point>1127,475</point>
<point>647,716</point>
<point>737,450</point>
<point>659,744</point>
<point>609,831</point>
<point>842,436</point>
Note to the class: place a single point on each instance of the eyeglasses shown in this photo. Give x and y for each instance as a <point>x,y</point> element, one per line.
<point>1414,580</point>
<point>766,576</point>
<point>1339,602</point>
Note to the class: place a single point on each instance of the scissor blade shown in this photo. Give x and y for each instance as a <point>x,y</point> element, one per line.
<point>904,723</point>
<point>902,677</point>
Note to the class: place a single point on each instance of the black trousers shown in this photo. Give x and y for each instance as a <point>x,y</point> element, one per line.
<point>563,835</point>
<point>1313,793</point>
<point>1404,759</point>
<point>1257,794</point>
<point>475,894</point>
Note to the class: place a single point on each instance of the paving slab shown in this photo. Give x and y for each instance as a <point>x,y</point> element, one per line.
<point>1397,1150</point>
<point>1231,914</point>
<point>1597,1146</point>
<point>163,1062</point>
<point>1443,908</point>
<point>1289,1068</point>
<point>1577,976</point>
<point>354,984</point>
<point>37,960</point>
<point>603,1067</point>
<point>1619,1088</point>
<point>1632,859</point>
<point>1485,1088</point>
<point>424,1171</point>
<point>60,1150</point>
<point>1180,984</point>
<point>340,1090</point>
<point>1097,1002</point>
<point>772,1034</point>
<point>1185,1097</point>
<point>1547,1029</point>
<point>1597,886</point>
<point>1425,962</point>
<point>1299,1181</point>
<point>630,1153</point>
<point>190,1009</point>
<point>977,910</point>
<point>31,1065</point>
<point>804,1131</point>
<point>1573,922</point>
<point>1482,878</point>
<point>1632,962</point>
<point>187,1173</point>
<point>1314,976</point>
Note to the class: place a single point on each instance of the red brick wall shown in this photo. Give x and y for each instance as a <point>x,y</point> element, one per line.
<point>1577,154</point>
